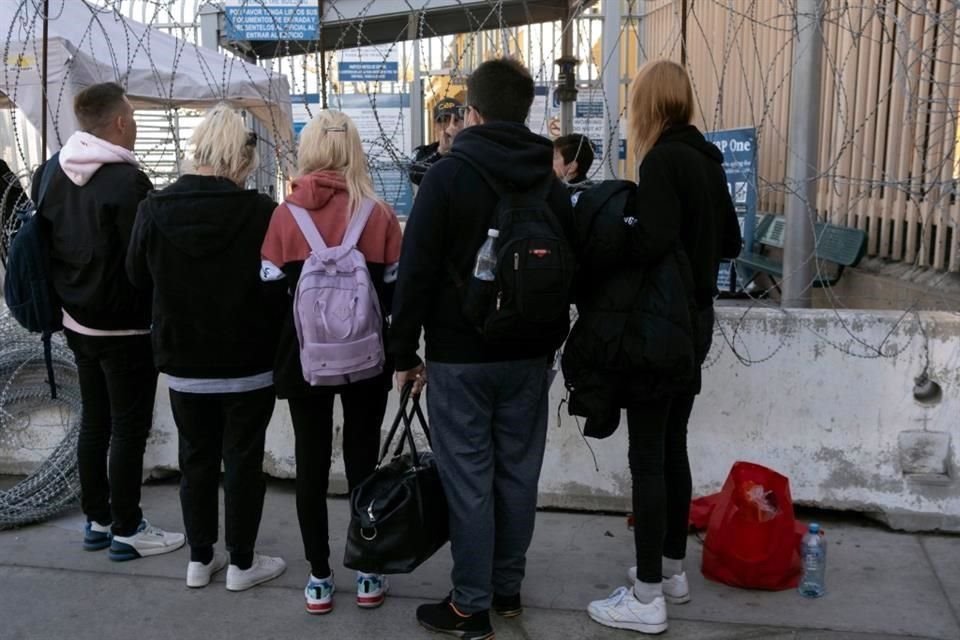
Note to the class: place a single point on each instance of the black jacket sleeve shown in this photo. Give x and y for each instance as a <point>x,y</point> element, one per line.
<point>138,270</point>
<point>128,200</point>
<point>730,239</point>
<point>655,228</point>
<point>422,267</point>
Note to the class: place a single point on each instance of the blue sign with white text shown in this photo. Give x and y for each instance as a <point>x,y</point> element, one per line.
<point>739,149</point>
<point>372,71</point>
<point>254,21</point>
<point>392,184</point>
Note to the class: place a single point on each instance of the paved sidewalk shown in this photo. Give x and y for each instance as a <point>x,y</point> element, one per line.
<point>882,586</point>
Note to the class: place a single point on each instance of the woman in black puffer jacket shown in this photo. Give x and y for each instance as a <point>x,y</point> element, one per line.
<point>650,258</point>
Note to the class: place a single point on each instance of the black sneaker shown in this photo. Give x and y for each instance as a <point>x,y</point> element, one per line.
<point>443,617</point>
<point>507,606</point>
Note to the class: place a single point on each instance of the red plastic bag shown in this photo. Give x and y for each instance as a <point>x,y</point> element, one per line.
<point>751,539</point>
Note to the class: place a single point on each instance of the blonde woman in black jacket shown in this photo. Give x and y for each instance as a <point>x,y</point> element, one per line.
<point>682,211</point>
<point>196,246</point>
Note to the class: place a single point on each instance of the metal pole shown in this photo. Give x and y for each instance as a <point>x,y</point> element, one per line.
<point>209,26</point>
<point>43,79</point>
<point>323,56</point>
<point>802,144</point>
<point>566,53</point>
<point>611,87</point>
<point>416,87</point>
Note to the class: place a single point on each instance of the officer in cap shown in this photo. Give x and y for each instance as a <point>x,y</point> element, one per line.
<point>448,116</point>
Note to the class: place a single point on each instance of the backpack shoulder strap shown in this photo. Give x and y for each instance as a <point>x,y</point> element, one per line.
<point>358,223</point>
<point>46,176</point>
<point>307,227</point>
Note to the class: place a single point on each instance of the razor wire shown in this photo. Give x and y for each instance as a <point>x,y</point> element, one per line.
<point>738,54</point>
<point>24,402</point>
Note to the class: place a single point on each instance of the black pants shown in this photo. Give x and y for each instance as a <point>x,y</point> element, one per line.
<point>118,384</point>
<point>227,427</point>
<point>364,404</point>
<point>661,482</point>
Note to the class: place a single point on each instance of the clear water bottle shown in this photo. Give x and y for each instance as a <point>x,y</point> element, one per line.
<point>486,266</point>
<point>813,554</point>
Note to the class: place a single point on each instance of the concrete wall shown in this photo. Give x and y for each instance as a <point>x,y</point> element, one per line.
<point>823,397</point>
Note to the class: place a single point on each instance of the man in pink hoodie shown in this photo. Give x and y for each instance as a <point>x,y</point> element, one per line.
<point>90,204</point>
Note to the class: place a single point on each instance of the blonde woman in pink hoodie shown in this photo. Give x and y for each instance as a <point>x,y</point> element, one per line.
<point>90,204</point>
<point>333,184</point>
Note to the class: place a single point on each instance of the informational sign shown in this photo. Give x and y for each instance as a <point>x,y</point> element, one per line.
<point>739,149</point>
<point>258,20</point>
<point>383,122</point>
<point>369,64</point>
<point>589,116</point>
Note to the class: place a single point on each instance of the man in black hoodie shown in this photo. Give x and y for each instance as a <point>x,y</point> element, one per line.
<point>90,204</point>
<point>487,403</point>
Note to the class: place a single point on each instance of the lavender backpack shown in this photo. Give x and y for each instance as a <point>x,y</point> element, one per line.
<point>335,307</point>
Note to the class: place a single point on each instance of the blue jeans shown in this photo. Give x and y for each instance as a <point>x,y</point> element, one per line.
<point>489,426</point>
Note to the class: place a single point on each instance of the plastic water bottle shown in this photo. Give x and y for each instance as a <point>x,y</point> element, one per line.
<point>813,553</point>
<point>486,266</point>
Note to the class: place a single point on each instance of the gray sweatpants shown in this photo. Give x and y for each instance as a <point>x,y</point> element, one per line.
<point>489,427</point>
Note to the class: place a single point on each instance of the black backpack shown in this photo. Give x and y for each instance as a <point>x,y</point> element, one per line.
<point>28,286</point>
<point>528,303</point>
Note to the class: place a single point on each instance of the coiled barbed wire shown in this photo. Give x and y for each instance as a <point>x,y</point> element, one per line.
<point>55,485</point>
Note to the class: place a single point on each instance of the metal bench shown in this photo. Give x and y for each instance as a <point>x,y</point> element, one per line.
<point>840,246</point>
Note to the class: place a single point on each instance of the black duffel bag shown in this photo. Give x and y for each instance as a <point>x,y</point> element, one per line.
<point>398,516</point>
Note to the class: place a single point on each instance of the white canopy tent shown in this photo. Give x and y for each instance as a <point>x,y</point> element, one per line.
<point>88,44</point>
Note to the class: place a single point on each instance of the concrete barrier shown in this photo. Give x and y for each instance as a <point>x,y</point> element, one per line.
<point>824,397</point>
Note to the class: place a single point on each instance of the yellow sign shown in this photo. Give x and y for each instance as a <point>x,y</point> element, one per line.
<point>21,61</point>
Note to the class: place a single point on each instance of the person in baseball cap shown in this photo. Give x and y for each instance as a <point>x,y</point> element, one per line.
<point>448,116</point>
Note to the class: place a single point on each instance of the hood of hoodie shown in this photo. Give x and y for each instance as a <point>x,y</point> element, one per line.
<point>691,136</point>
<point>508,152</point>
<point>202,215</point>
<point>84,154</point>
<point>314,191</point>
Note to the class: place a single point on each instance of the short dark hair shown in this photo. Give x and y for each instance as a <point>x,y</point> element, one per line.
<point>97,104</point>
<point>576,146</point>
<point>501,89</point>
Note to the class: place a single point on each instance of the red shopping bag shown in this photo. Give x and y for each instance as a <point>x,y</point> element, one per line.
<point>751,539</point>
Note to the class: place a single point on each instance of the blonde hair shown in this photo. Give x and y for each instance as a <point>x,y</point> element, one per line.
<point>223,143</point>
<point>331,142</point>
<point>660,97</point>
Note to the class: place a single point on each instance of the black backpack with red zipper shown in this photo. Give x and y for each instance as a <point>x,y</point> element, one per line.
<point>529,300</point>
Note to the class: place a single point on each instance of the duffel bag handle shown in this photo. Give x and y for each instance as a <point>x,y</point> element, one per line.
<point>406,419</point>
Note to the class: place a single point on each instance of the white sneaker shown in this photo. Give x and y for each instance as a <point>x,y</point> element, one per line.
<point>199,574</point>
<point>147,541</point>
<point>623,611</point>
<point>264,568</point>
<point>676,589</point>
<point>371,589</point>
<point>319,594</point>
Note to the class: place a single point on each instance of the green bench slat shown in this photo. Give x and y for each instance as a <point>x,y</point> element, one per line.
<point>842,246</point>
<point>758,262</point>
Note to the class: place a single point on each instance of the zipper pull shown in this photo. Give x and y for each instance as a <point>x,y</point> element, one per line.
<point>499,298</point>
<point>516,262</point>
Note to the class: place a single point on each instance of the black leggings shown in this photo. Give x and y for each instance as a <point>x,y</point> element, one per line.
<point>661,482</point>
<point>364,404</point>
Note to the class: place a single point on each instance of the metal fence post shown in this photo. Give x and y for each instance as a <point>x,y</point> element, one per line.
<point>799,257</point>
<point>612,14</point>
